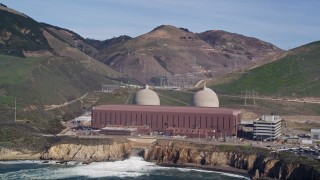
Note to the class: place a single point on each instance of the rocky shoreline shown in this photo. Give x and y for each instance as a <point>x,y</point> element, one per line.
<point>223,169</point>
<point>175,154</point>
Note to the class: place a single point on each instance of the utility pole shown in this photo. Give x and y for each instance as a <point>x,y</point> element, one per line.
<point>15,109</point>
<point>245,99</point>
<point>254,100</point>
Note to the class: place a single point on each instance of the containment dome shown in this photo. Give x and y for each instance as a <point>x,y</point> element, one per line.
<point>205,98</point>
<point>147,97</point>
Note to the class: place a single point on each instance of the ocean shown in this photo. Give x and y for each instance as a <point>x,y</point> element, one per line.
<point>132,168</point>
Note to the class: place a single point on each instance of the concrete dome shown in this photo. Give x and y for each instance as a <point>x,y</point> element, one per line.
<point>147,97</point>
<point>205,98</point>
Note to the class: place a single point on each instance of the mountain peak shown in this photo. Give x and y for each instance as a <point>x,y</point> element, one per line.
<point>164,27</point>
<point>165,31</point>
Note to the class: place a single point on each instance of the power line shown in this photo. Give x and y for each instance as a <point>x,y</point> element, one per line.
<point>250,95</point>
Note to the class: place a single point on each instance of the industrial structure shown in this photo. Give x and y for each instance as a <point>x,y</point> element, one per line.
<point>268,127</point>
<point>83,121</point>
<point>202,120</point>
<point>315,134</point>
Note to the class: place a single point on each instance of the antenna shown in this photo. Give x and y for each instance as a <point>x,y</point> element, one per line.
<point>242,65</point>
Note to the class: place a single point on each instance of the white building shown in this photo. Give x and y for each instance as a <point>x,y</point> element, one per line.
<point>83,120</point>
<point>315,134</point>
<point>267,128</point>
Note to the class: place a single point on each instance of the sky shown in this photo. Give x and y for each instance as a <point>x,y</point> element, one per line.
<point>284,23</point>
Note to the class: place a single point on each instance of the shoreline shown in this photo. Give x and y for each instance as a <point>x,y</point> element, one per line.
<point>222,169</point>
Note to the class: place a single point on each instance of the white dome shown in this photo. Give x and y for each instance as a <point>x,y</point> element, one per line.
<point>205,98</point>
<point>147,97</point>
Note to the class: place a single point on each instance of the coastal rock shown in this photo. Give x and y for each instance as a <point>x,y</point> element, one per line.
<point>219,158</point>
<point>8,154</point>
<point>67,152</point>
<point>176,154</point>
<point>258,166</point>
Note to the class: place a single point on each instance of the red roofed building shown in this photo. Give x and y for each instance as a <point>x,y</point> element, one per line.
<point>183,120</point>
<point>206,120</point>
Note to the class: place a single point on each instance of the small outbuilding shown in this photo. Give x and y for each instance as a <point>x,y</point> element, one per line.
<point>315,134</point>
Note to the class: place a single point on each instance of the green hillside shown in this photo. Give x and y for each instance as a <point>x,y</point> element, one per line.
<point>40,82</point>
<point>48,85</point>
<point>19,32</point>
<point>174,98</point>
<point>295,74</point>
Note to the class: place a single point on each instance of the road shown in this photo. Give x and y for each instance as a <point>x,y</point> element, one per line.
<point>275,99</point>
<point>54,106</point>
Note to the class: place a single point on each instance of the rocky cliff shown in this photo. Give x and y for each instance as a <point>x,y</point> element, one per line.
<point>67,152</point>
<point>257,165</point>
<point>8,154</point>
<point>241,159</point>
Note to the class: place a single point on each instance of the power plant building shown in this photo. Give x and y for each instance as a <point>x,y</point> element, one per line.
<point>204,120</point>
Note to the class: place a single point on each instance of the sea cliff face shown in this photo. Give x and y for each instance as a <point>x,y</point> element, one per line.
<point>75,152</point>
<point>176,153</point>
<point>259,166</point>
<point>8,154</point>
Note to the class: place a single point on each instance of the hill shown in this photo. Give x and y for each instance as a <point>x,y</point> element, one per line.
<point>171,53</point>
<point>19,33</point>
<point>43,66</point>
<point>289,85</point>
<point>38,83</point>
<point>294,74</point>
<point>22,36</point>
<point>71,38</point>
<point>99,45</point>
<point>247,50</point>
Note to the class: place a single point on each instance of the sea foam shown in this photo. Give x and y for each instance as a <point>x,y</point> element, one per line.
<point>129,168</point>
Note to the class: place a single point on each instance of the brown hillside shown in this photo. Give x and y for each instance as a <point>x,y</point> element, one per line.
<point>177,54</point>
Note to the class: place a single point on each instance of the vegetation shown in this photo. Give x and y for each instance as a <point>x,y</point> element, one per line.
<point>41,82</point>
<point>294,75</point>
<point>15,70</point>
<point>119,96</point>
<point>19,33</point>
<point>100,45</point>
<point>175,98</point>
<point>18,137</point>
<point>244,149</point>
<point>21,137</point>
<point>6,100</point>
<point>291,157</point>
<point>264,106</point>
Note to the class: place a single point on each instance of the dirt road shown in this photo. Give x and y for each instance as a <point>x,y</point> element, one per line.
<point>54,106</point>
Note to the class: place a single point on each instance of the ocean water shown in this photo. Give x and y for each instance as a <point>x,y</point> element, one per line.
<point>132,168</point>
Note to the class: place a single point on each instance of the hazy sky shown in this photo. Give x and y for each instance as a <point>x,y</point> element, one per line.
<point>285,23</point>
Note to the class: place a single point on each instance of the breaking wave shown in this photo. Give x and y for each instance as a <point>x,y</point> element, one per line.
<point>134,167</point>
